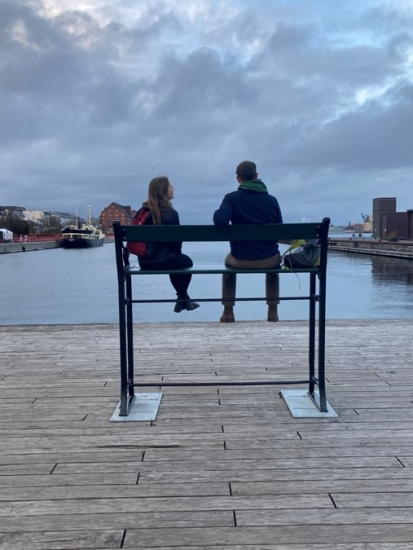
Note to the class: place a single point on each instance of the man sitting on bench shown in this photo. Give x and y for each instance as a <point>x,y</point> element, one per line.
<point>250,204</point>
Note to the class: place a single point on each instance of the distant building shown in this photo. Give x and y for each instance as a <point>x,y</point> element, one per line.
<point>114,212</point>
<point>368,226</point>
<point>387,223</point>
<point>410,225</point>
<point>367,223</point>
<point>33,215</point>
<point>66,218</point>
<point>10,210</point>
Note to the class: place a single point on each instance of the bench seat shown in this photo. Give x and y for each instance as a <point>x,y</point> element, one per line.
<point>136,270</point>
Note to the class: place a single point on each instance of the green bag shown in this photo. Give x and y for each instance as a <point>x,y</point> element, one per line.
<point>301,254</point>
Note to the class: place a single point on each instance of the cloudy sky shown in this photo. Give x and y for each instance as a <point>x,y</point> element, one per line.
<point>99,96</point>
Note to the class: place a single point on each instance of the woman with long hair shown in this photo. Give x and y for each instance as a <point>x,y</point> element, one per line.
<point>166,256</point>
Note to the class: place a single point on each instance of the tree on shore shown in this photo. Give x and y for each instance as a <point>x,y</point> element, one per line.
<point>17,225</point>
<point>50,225</point>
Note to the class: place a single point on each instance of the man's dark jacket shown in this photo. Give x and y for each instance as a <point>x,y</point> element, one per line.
<point>249,207</point>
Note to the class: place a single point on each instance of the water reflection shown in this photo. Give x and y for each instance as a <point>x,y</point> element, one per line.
<point>368,287</point>
<point>391,270</point>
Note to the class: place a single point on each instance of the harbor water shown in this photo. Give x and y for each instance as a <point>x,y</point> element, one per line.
<point>80,286</point>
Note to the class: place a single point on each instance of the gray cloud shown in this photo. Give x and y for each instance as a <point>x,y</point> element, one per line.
<point>95,103</point>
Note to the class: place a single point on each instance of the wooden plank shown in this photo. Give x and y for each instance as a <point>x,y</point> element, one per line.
<point>285,534</point>
<point>291,451</point>
<point>62,539</point>
<point>161,504</point>
<point>367,517</point>
<point>271,441</point>
<point>23,469</point>
<point>29,480</point>
<point>313,474</point>
<point>292,486</point>
<point>374,499</point>
<point>114,520</point>
<point>133,490</point>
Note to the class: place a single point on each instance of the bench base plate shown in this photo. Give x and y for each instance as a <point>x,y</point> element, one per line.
<point>302,406</point>
<point>144,408</point>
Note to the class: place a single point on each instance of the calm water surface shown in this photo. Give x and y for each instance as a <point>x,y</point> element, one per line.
<point>79,286</point>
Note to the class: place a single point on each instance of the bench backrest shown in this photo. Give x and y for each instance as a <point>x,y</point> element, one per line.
<point>208,233</point>
<point>285,232</point>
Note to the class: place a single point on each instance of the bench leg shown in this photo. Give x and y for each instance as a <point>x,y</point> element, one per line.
<point>322,343</point>
<point>320,399</point>
<point>124,409</point>
<point>129,325</point>
<point>127,390</point>
<point>311,335</point>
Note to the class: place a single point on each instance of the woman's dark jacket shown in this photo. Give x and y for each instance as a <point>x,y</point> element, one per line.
<point>159,252</point>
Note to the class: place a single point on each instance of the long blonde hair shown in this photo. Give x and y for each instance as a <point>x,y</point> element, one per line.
<point>158,198</point>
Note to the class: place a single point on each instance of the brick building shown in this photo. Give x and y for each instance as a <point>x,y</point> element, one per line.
<point>113,212</point>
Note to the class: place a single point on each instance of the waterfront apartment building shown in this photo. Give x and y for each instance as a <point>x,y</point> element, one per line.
<point>114,212</point>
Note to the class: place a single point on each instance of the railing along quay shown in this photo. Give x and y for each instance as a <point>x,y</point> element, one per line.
<point>374,247</point>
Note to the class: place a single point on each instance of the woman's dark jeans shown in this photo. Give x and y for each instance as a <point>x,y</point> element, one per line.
<point>180,281</point>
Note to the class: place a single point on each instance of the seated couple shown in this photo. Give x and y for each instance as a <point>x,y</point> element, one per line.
<point>250,204</point>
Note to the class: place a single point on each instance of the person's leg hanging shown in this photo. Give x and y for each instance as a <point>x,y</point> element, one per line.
<point>229,287</point>
<point>272,292</point>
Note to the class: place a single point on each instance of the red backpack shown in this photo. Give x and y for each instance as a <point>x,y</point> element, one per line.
<point>140,218</point>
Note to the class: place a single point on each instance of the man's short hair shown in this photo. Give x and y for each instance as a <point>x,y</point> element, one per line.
<point>246,170</point>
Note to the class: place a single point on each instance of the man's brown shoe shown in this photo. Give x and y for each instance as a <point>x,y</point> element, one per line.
<point>228,315</point>
<point>272,314</point>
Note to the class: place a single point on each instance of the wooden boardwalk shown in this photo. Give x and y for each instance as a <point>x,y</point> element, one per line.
<point>221,468</point>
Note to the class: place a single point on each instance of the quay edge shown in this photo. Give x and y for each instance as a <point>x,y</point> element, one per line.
<point>6,248</point>
<point>374,247</point>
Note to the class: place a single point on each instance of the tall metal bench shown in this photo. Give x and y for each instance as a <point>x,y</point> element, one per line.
<point>206,233</point>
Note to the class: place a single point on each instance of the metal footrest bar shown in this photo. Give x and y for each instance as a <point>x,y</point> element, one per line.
<point>194,384</point>
<point>161,301</point>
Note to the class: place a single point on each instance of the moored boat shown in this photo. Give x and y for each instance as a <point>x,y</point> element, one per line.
<point>84,235</point>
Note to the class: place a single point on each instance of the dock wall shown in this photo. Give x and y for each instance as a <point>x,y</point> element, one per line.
<point>374,247</point>
<point>6,248</point>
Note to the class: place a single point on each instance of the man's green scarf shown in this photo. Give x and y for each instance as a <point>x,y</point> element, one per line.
<point>254,185</point>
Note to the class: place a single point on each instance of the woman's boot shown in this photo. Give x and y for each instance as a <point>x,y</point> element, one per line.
<point>180,304</point>
<point>185,302</point>
<point>190,305</point>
